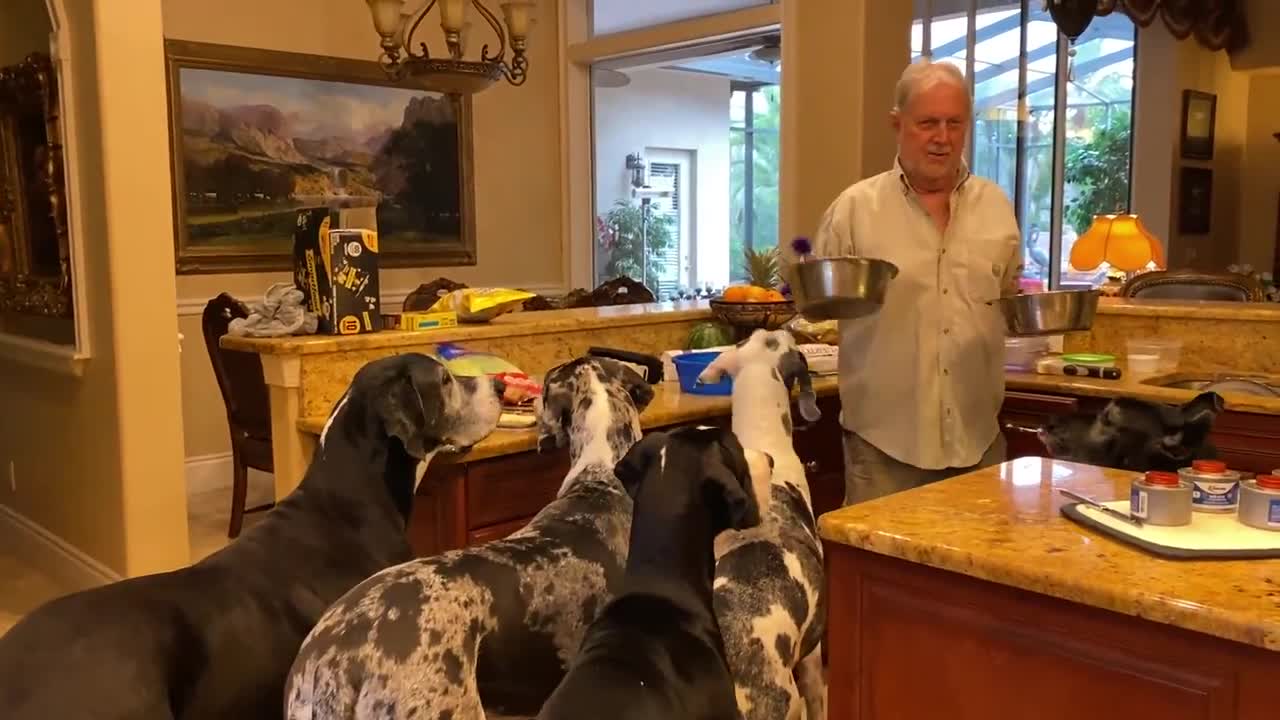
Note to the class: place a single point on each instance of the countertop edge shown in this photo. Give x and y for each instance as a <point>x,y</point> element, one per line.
<point>507,326</point>
<point>1205,620</point>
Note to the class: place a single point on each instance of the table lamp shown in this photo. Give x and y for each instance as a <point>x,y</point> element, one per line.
<point>1122,242</point>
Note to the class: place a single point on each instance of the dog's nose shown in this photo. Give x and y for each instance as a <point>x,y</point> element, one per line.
<point>499,386</point>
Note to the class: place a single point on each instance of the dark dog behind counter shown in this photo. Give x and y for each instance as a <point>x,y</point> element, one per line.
<point>215,640</point>
<point>655,652</point>
<point>1136,435</point>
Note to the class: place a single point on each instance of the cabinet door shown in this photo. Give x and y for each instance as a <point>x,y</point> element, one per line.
<point>916,643</point>
<point>820,449</point>
<point>1024,413</point>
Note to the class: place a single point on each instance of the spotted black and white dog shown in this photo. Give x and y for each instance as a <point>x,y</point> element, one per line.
<point>490,630</point>
<point>770,587</point>
<point>216,639</point>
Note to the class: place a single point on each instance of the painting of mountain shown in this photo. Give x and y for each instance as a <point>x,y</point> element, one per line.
<point>252,148</point>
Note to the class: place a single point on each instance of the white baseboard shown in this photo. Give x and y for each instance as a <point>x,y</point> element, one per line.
<point>213,473</point>
<point>69,567</point>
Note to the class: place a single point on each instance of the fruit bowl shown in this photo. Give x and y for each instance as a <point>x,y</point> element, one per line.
<point>748,316</point>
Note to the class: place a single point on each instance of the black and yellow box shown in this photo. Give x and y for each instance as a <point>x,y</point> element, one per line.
<point>337,271</point>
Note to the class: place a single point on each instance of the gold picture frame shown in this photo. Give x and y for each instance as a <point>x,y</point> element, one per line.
<point>255,134</point>
<point>35,268</point>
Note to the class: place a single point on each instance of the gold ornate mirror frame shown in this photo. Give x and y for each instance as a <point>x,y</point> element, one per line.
<point>35,267</point>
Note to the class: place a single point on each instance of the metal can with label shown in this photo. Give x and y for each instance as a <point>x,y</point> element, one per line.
<point>1260,502</point>
<point>1214,488</point>
<point>1161,498</point>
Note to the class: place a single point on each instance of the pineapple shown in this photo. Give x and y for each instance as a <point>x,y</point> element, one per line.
<point>761,267</point>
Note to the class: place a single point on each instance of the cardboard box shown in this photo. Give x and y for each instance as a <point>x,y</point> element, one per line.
<point>337,271</point>
<point>422,320</point>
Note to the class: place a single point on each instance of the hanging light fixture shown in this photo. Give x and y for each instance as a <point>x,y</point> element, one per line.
<point>1072,18</point>
<point>399,26</point>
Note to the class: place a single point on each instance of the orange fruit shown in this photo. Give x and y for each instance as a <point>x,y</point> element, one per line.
<point>771,296</point>
<point>737,293</point>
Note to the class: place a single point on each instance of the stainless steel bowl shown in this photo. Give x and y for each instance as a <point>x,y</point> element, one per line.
<point>840,288</point>
<point>1048,313</point>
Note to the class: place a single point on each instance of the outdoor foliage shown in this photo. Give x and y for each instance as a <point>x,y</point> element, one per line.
<point>624,231</point>
<point>1097,168</point>
<point>765,165</point>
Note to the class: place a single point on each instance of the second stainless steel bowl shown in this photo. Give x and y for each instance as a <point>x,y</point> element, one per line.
<point>840,288</point>
<point>1049,313</point>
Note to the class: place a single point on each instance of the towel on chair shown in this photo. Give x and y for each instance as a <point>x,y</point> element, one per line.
<point>281,312</point>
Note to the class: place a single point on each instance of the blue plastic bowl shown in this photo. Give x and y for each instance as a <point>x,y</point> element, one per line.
<point>690,365</point>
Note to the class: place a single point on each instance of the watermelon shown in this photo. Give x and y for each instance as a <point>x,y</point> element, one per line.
<point>709,335</point>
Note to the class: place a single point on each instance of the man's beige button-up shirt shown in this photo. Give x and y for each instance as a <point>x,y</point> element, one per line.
<point>923,379</point>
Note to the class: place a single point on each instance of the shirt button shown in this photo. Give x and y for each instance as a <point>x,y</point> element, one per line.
<point>945,290</point>
<point>946,331</point>
<point>943,251</point>
<point>946,371</point>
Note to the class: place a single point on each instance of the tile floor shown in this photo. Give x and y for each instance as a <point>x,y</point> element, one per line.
<point>25,586</point>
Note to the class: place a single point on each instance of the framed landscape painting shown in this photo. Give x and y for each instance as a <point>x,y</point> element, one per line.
<point>258,134</point>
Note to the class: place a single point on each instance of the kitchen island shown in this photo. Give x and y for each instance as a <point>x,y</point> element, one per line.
<point>974,598</point>
<point>503,481</point>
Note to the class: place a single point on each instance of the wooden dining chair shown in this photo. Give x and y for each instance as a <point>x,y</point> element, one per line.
<point>244,393</point>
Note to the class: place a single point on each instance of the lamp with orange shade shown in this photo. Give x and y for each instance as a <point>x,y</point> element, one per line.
<point>1120,241</point>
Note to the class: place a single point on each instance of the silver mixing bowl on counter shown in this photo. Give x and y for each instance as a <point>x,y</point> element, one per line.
<point>1048,313</point>
<point>840,288</point>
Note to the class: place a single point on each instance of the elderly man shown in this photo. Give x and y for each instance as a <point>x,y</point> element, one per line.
<point>921,381</point>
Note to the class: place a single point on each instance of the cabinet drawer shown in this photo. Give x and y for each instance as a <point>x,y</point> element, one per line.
<point>496,532</point>
<point>513,487</point>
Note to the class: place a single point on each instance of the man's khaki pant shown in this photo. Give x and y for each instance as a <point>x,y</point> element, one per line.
<point>869,473</point>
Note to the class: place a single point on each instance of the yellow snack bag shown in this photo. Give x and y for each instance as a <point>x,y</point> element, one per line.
<point>480,304</point>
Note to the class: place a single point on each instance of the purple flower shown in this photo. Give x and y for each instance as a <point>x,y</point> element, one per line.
<point>802,246</point>
<point>785,289</point>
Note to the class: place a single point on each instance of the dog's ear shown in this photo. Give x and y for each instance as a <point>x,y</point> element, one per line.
<point>1203,409</point>
<point>633,466</point>
<point>730,486</point>
<point>639,390</point>
<point>554,411</point>
<point>412,410</point>
<point>728,362</point>
<point>794,368</point>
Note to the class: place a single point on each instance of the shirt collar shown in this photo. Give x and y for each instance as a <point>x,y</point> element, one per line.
<point>963,172</point>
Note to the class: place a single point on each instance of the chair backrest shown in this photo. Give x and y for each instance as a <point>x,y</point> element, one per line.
<point>621,290</point>
<point>239,374</point>
<point>1192,285</point>
<point>427,294</point>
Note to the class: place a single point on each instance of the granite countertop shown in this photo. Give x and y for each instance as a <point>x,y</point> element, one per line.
<point>669,407</point>
<point>516,324</point>
<point>1133,387</point>
<point>1002,524</point>
<point>1196,309</point>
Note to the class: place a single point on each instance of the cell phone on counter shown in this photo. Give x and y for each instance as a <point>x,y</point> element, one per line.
<point>1093,371</point>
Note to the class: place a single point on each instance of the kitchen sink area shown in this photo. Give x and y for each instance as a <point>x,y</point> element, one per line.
<point>1221,382</point>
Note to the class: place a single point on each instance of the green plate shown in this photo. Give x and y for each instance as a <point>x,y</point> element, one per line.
<point>1088,358</point>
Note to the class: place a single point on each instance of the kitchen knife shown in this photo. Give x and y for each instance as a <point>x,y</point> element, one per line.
<point>1124,517</point>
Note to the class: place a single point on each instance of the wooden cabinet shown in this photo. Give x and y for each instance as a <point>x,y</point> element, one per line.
<point>462,504</point>
<point>916,643</point>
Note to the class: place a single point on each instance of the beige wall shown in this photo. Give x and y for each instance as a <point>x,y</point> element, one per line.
<point>97,459</point>
<point>24,27</point>
<point>517,170</point>
<point>1246,162</point>
<point>841,59</point>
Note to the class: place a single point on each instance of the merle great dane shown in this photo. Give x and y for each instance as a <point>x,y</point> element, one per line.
<point>216,639</point>
<point>490,630</point>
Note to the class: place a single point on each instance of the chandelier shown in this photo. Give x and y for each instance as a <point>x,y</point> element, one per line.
<point>399,25</point>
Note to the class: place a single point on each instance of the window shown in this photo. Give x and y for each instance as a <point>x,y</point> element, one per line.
<point>1066,155</point>
<point>755,112</point>
<point>686,164</point>
<point>611,16</point>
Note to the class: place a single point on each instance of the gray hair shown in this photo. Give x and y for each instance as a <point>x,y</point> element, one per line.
<point>923,74</point>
